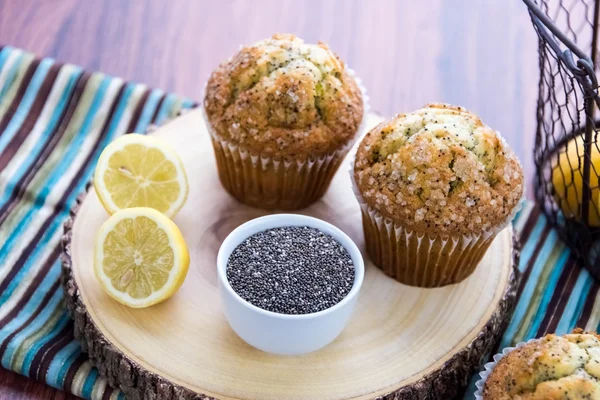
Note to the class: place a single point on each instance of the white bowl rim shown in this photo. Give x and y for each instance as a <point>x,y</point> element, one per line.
<point>280,221</point>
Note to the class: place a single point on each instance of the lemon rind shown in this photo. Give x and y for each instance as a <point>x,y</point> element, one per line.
<point>147,141</point>
<point>176,241</point>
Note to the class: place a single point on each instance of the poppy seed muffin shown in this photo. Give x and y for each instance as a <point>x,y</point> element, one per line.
<point>437,172</point>
<point>282,114</point>
<point>550,368</point>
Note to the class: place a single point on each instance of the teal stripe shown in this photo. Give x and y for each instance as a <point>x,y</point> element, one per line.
<point>12,74</point>
<point>35,254</point>
<point>4,53</point>
<point>56,224</point>
<point>112,131</point>
<point>548,293</point>
<point>187,103</point>
<point>26,102</point>
<point>529,247</point>
<point>530,286</point>
<point>39,145</point>
<point>61,363</point>
<point>35,325</point>
<point>522,217</point>
<point>57,173</point>
<point>148,111</point>
<point>471,388</point>
<point>574,306</point>
<point>598,327</point>
<point>88,170</point>
<point>88,385</point>
<point>36,201</point>
<point>33,304</point>
<point>60,324</point>
<point>518,216</point>
<point>165,109</point>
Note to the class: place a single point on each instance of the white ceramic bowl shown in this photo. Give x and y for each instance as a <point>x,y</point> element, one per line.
<point>281,333</point>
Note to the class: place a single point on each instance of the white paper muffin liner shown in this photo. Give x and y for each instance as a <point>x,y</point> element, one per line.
<point>489,367</point>
<point>417,259</point>
<point>270,183</point>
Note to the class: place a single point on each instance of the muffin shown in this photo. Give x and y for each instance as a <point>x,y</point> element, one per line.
<point>553,367</point>
<point>282,115</point>
<point>435,187</point>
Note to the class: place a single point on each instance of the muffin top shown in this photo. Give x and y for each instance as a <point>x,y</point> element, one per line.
<point>284,98</point>
<point>439,170</point>
<point>553,367</point>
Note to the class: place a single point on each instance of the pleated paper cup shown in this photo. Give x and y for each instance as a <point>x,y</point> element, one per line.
<point>270,183</point>
<point>421,259</point>
<point>489,367</point>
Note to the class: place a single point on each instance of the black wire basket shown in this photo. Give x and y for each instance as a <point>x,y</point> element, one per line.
<point>567,146</point>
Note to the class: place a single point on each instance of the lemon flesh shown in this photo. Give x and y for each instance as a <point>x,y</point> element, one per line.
<point>140,171</point>
<point>567,180</point>
<point>140,257</point>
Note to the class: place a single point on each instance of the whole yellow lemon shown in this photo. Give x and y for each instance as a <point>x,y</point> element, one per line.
<point>567,179</point>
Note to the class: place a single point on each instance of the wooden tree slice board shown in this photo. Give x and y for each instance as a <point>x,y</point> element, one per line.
<point>402,342</point>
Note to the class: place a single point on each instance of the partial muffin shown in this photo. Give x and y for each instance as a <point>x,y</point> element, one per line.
<point>282,114</point>
<point>551,368</point>
<point>437,173</point>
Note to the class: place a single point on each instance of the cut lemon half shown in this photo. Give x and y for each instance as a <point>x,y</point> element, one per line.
<point>140,257</point>
<point>140,171</point>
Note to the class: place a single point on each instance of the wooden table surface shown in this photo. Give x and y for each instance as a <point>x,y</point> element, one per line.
<point>478,54</point>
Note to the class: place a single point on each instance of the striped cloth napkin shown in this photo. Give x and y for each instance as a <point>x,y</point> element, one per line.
<point>555,294</point>
<point>54,121</point>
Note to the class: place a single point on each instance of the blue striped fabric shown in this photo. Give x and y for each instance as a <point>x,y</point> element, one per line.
<point>556,295</point>
<point>54,121</point>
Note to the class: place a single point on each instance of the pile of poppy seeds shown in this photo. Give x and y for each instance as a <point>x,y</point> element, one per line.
<point>291,270</point>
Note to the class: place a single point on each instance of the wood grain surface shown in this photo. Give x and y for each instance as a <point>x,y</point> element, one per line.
<point>479,54</point>
<point>416,342</point>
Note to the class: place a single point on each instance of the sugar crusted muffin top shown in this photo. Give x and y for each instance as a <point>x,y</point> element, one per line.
<point>284,98</point>
<point>439,170</point>
<point>551,368</point>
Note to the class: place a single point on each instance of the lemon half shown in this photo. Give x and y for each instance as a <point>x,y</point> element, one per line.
<point>140,257</point>
<point>140,171</point>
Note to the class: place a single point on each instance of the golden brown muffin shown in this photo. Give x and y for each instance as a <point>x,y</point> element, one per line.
<point>551,368</point>
<point>284,98</point>
<point>439,169</point>
<point>282,115</point>
<point>438,172</point>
